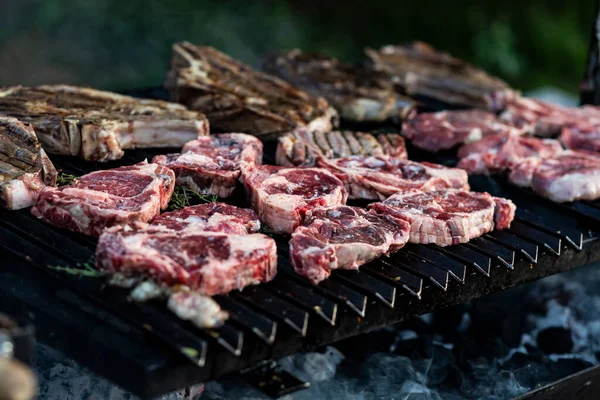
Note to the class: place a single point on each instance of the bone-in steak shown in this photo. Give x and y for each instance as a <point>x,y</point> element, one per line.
<point>568,176</point>
<point>447,129</point>
<point>211,217</point>
<point>282,197</point>
<point>209,263</point>
<point>98,125</point>
<point>211,164</point>
<point>236,98</point>
<point>499,152</point>
<point>24,166</point>
<point>423,71</point>
<point>303,147</point>
<point>106,198</point>
<point>376,178</point>
<point>343,237</point>
<point>357,93</point>
<point>447,217</point>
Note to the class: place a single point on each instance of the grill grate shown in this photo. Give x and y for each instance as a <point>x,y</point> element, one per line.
<point>288,314</point>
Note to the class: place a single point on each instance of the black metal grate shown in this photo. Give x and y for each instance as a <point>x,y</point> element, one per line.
<point>288,314</point>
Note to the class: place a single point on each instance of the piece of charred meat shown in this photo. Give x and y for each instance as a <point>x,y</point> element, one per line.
<point>236,98</point>
<point>24,166</point>
<point>99,125</point>
<point>357,93</point>
<point>303,147</point>
<point>421,70</point>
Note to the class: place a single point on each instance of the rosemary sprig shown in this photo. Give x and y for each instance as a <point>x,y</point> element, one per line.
<point>86,269</point>
<point>65,179</point>
<point>184,197</point>
<point>265,230</point>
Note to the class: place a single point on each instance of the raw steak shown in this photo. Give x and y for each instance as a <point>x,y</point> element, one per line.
<point>420,70</point>
<point>376,178</point>
<point>302,147</point>
<point>343,237</point>
<point>582,137</point>
<point>236,98</point>
<point>107,198</point>
<point>568,176</point>
<point>357,93</point>
<point>282,197</point>
<point>209,263</point>
<point>447,129</point>
<point>211,164</point>
<point>98,125</point>
<point>211,217</point>
<point>447,217</point>
<point>24,166</point>
<point>499,152</point>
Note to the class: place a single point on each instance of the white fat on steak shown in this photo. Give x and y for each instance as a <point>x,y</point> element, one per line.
<point>343,237</point>
<point>282,197</point>
<point>449,216</point>
<point>200,310</point>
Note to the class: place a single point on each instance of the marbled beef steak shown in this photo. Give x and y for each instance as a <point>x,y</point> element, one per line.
<point>343,237</point>
<point>211,164</point>
<point>24,166</point>
<point>107,198</point>
<point>282,197</point>
<point>447,217</point>
<point>98,125</point>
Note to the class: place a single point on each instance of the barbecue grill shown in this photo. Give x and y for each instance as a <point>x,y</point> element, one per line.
<point>149,351</point>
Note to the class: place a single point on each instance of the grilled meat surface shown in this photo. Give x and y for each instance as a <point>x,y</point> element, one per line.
<point>303,147</point>
<point>357,93</point>
<point>421,70</point>
<point>98,125</point>
<point>237,98</point>
<point>24,166</point>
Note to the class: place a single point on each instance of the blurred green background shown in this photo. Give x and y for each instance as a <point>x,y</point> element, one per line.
<point>120,44</point>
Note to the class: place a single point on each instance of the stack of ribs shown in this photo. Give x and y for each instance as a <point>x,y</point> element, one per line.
<point>236,98</point>
<point>24,166</point>
<point>97,125</point>
<point>211,164</point>
<point>423,71</point>
<point>357,93</point>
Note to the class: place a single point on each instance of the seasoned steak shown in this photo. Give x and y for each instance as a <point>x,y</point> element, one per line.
<point>303,147</point>
<point>447,217</point>
<point>107,198</point>
<point>568,176</point>
<point>211,217</point>
<point>236,98</point>
<point>211,164</point>
<point>376,178</point>
<point>357,93</point>
<point>98,125</point>
<point>24,166</point>
<point>209,263</point>
<point>420,70</point>
<point>283,197</point>
<point>447,129</point>
<point>343,237</point>
<point>501,151</point>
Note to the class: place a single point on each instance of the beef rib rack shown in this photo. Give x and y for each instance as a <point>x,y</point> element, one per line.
<point>211,217</point>
<point>237,98</point>
<point>447,217</point>
<point>303,147</point>
<point>107,198</point>
<point>98,125</point>
<point>446,129</point>
<point>343,237</point>
<point>209,263</point>
<point>24,166</point>
<point>282,197</point>
<point>376,178</point>
<point>211,164</point>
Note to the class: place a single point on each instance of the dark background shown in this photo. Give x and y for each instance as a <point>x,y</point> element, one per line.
<point>120,44</point>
